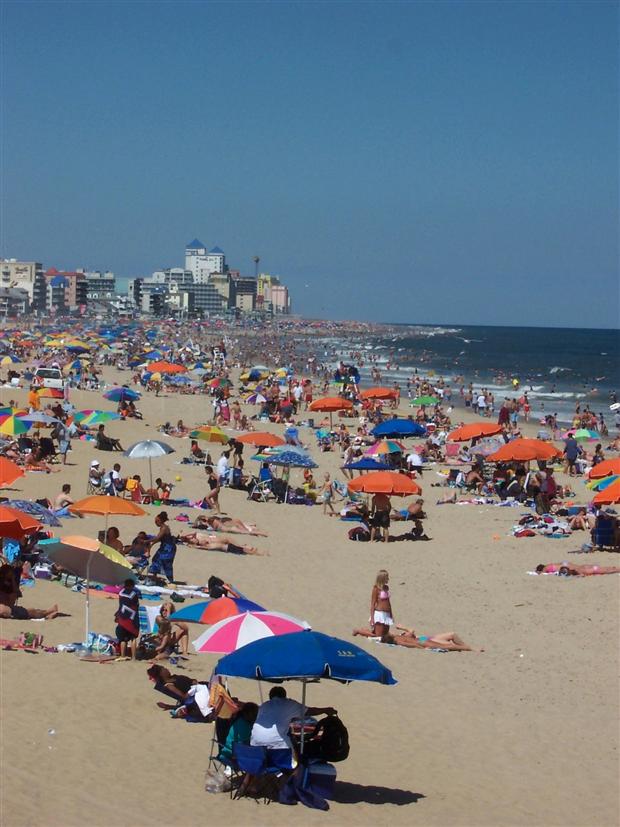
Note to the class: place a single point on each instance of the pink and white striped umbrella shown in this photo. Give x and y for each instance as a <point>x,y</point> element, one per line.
<point>232,633</point>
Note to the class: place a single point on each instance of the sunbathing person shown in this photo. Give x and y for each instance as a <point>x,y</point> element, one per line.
<point>414,512</point>
<point>574,570</point>
<point>204,539</point>
<point>222,523</point>
<point>581,522</point>
<point>445,640</point>
<point>10,593</point>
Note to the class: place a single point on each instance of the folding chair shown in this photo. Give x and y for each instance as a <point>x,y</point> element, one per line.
<point>260,491</point>
<point>260,769</point>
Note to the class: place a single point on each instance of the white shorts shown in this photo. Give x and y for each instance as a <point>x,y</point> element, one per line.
<point>383,618</point>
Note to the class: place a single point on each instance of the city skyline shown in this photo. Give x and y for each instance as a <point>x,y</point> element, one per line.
<point>423,163</point>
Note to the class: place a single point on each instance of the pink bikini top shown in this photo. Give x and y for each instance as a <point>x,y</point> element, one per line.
<point>384,595</point>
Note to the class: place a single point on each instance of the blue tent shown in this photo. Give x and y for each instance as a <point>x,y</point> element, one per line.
<point>394,428</point>
<point>303,656</point>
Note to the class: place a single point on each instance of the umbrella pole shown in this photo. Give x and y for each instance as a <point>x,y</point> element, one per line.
<point>87,599</point>
<point>303,718</point>
<point>150,474</point>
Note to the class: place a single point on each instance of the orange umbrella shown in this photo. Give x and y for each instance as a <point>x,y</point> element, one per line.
<point>385,482</point>
<point>378,393</point>
<point>102,504</point>
<point>16,524</point>
<point>329,404</point>
<point>165,367</point>
<point>609,495</point>
<point>262,439</point>
<point>474,430</point>
<point>524,450</point>
<point>605,468</point>
<point>9,472</point>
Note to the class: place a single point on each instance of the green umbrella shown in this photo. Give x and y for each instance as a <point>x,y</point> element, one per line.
<point>425,400</point>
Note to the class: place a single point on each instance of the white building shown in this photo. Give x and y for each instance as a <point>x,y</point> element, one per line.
<point>20,274</point>
<point>201,264</point>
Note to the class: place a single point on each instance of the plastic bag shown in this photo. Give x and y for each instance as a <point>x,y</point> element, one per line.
<point>216,781</point>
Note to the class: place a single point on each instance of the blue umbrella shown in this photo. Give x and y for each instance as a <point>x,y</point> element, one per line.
<point>393,428</point>
<point>121,394</point>
<point>366,464</point>
<point>292,459</point>
<point>306,656</point>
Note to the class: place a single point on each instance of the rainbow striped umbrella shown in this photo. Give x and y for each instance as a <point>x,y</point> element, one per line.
<point>13,426</point>
<point>212,611</point>
<point>601,485</point>
<point>232,633</point>
<point>385,446</point>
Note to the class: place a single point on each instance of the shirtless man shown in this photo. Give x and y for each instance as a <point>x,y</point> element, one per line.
<point>207,540</point>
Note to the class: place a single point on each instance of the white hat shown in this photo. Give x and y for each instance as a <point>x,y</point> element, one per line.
<point>94,463</point>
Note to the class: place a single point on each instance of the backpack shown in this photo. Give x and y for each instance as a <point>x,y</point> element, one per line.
<point>330,741</point>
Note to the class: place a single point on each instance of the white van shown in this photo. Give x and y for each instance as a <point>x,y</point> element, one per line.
<point>48,378</point>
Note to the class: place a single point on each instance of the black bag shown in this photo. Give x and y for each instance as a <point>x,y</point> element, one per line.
<point>330,741</point>
<point>216,587</point>
<point>359,533</point>
<point>147,647</point>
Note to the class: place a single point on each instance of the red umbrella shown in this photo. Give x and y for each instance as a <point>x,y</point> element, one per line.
<point>524,450</point>
<point>9,472</point>
<point>262,439</point>
<point>605,468</point>
<point>474,430</point>
<point>16,524</point>
<point>385,482</point>
<point>378,393</point>
<point>609,495</point>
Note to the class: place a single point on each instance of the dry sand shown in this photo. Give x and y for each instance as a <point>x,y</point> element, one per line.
<point>524,734</point>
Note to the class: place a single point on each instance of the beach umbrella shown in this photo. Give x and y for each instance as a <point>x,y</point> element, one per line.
<point>610,495</point>
<point>605,468</point>
<point>255,399</point>
<point>8,360</point>
<point>210,433</point>
<point>586,435</point>
<point>165,367</point>
<point>395,428</point>
<point>385,482</point>
<point>13,426</point>
<point>603,483</point>
<point>487,446</point>
<point>220,382</point>
<point>38,416</point>
<point>524,450</point>
<point>303,656</point>
<point>88,559</point>
<point>39,512</point>
<point>148,449</point>
<point>234,632</point>
<point>425,400</point>
<point>212,611</point>
<point>14,524</point>
<point>292,459</point>
<point>121,394</point>
<point>378,393</point>
<point>50,393</point>
<point>261,439</point>
<point>9,472</point>
<point>331,404</point>
<point>384,446</point>
<point>474,430</point>
<point>96,418</point>
<point>366,464</point>
<point>103,505</point>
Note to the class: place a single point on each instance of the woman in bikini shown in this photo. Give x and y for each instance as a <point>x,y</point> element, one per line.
<point>380,608</point>
<point>231,524</point>
<point>207,540</point>
<point>446,640</point>
<point>170,633</point>
<point>573,570</point>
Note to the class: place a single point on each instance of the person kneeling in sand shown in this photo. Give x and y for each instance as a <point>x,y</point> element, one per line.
<point>204,539</point>
<point>445,640</point>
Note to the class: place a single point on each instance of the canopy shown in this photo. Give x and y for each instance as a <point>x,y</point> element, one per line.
<point>304,655</point>
<point>394,428</point>
<point>474,430</point>
<point>385,482</point>
<point>524,450</point>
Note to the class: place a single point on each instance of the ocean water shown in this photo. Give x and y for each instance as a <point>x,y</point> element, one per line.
<point>557,366</point>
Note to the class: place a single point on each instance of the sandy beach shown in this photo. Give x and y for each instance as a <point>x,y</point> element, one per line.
<point>525,733</point>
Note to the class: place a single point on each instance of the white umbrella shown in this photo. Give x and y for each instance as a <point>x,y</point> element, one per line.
<point>147,449</point>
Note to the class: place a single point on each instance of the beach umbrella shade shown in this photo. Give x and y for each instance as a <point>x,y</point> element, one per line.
<point>425,400</point>
<point>212,611</point>
<point>15,524</point>
<point>261,439</point>
<point>378,393</point>
<point>104,506</point>
<point>303,656</point>
<point>385,446</point>
<point>148,449</point>
<point>398,428</point>
<point>385,482</point>
<point>9,472</point>
<point>474,430</point>
<point>232,633</point>
<point>210,433</point>
<point>88,559</point>
<point>605,468</point>
<point>44,515</point>
<point>13,425</point>
<point>165,367</point>
<point>524,450</point>
<point>610,495</point>
<point>121,394</point>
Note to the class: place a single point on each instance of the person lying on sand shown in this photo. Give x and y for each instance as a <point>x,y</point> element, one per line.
<point>445,640</point>
<point>10,593</point>
<point>574,570</point>
<point>230,524</point>
<point>203,539</point>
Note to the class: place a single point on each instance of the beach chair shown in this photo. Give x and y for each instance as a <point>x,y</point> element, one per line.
<point>603,533</point>
<point>259,770</point>
<point>260,491</point>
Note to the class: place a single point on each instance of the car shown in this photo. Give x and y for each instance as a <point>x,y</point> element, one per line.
<point>49,378</point>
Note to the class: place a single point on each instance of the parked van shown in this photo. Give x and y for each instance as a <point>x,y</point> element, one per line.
<point>48,378</point>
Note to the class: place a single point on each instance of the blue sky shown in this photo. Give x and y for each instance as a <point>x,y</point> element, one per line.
<point>412,162</point>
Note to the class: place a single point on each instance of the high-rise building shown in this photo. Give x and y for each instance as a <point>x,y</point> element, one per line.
<point>20,274</point>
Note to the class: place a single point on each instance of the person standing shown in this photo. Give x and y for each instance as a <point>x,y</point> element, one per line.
<point>571,452</point>
<point>127,619</point>
<point>381,619</point>
<point>163,559</point>
<point>380,517</point>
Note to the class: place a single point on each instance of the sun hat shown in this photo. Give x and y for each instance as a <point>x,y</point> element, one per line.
<point>94,463</point>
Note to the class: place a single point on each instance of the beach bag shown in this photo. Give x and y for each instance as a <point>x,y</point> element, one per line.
<point>102,644</point>
<point>359,534</point>
<point>147,647</point>
<point>330,741</point>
